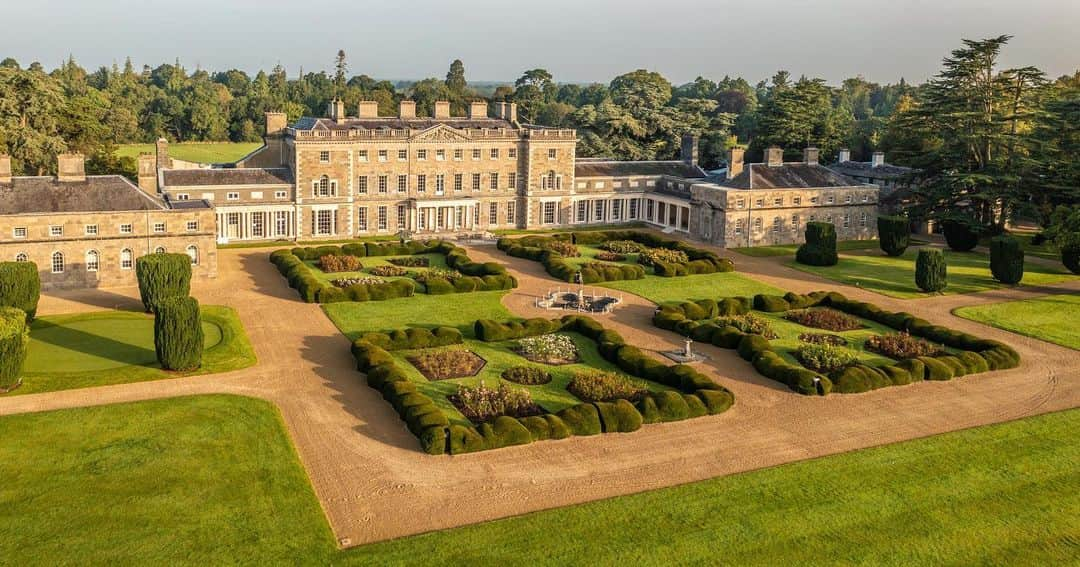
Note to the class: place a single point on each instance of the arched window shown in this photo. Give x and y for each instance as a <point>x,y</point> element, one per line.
<point>57,263</point>
<point>159,250</point>
<point>93,260</point>
<point>322,187</point>
<point>126,259</point>
<point>193,252</point>
<point>22,257</point>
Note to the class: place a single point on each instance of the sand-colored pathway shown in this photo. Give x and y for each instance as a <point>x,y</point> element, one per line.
<point>375,484</point>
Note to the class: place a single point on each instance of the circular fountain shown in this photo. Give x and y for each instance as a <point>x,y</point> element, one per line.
<point>579,299</point>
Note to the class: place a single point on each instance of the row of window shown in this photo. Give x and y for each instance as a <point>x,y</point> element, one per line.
<point>92,259</point>
<point>440,154</point>
<point>779,222</point>
<point>233,196</point>
<point>381,183</point>
<point>740,202</point>
<point>92,229</point>
<point>597,209</point>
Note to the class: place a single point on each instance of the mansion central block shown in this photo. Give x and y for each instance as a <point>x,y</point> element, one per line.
<point>361,174</point>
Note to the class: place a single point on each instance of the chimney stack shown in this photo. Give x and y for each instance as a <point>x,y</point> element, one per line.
<point>442,109</point>
<point>688,153</point>
<point>845,155</point>
<point>276,122</point>
<point>506,111</point>
<point>810,155</point>
<point>734,162</point>
<point>5,168</point>
<point>161,147</point>
<point>367,109</point>
<point>478,110</point>
<point>70,167</point>
<point>774,156</point>
<point>336,110</point>
<point>148,180</point>
<point>407,109</point>
<point>878,159</point>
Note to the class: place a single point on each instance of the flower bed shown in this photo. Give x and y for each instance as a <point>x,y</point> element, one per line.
<point>527,375</point>
<point>548,349</point>
<point>822,339</point>
<point>656,256</point>
<point>339,263</point>
<point>481,404</point>
<point>824,358</point>
<point>824,318</point>
<point>410,261</point>
<point>748,323</point>
<point>600,386</point>
<point>447,364</point>
<point>363,280</point>
<point>567,249</point>
<point>902,345</point>
<point>622,246</point>
<point>611,256</point>
<point>388,271</point>
<point>437,273</point>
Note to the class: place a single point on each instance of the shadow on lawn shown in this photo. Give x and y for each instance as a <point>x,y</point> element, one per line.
<point>89,343</point>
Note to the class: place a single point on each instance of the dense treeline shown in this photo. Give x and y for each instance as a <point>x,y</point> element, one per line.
<point>992,143</point>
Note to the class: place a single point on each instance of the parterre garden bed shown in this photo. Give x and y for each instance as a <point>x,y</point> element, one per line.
<point>625,388</point>
<point>378,271</point>
<point>791,353</point>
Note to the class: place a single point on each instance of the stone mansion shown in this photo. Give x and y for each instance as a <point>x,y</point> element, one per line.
<point>360,174</point>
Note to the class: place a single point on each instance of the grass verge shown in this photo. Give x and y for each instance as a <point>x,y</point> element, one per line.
<point>459,310</point>
<point>1051,318</point>
<point>202,152</point>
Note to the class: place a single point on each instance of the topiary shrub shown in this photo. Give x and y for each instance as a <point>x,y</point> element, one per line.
<point>20,287</point>
<point>178,333</point>
<point>959,235</point>
<point>1070,256</point>
<point>14,340</point>
<point>1006,260</point>
<point>671,406</point>
<point>582,419</point>
<point>162,276</point>
<point>820,246</point>
<point>619,416</point>
<point>894,234</point>
<point>930,270</point>
<point>464,439</point>
<point>504,432</point>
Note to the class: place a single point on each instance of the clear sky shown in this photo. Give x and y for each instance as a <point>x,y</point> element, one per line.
<point>577,40</point>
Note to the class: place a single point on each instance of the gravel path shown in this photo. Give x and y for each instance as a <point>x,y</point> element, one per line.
<point>375,484</point>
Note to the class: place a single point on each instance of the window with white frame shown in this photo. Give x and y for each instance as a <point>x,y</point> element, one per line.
<point>127,259</point>
<point>440,155</point>
<point>598,210</point>
<point>192,226</point>
<point>511,153</point>
<point>494,153</point>
<point>324,222</point>
<point>778,202</point>
<point>382,217</point>
<point>739,224</point>
<point>493,213</point>
<point>440,183</point>
<point>361,155</point>
<point>847,221</point>
<point>862,220</point>
<point>759,203</point>
<point>281,194</point>
<point>57,262</point>
<point>324,156</point>
<point>182,196</point>
<point>159,227</point>
<point>831,199</point>
<point>459,154</point>
<point>582,211</point>
<point>258,225</point>
<point>476,153</point>
<point>813,200</point>
<point>19,232</point>
<point>421,155</point>
<point>361,184</point>
<point>281,223</point>
<point>633,208</point>
<point>511,180</point>
<point>549,212</point>
<point>383,182</point>
<point>796,201</point>
<point>402,183</point>
<point>22,257</point>
<point>159,250</point>
<point>90,230</point>
<point>384,155</point>
<point>740,203</point>
<point>56,230</point>
<point>493,180</point>
<point>193,253</point>
<point>552,153</point>
<point>232,196</point>
<point>777,224</point>
<point>459,181</point>
<point>421,218</point>
<point>510,211</point>
<point>401,216</point>
<point>795,222</point>
<point>402,155</point>
<point>361,218</point>
<point>421,183</point>
<point>476,182</point>
<point>757,224</point>
<point>126,229</point>
<point>616,209</point>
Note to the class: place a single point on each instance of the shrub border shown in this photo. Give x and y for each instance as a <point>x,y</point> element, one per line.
<point>978,355</point>
<point>476,276</point>
<point>699,395</point>
<point>531,248</point>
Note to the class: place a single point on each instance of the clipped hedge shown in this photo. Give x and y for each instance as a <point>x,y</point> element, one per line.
<point>476,276</point>
<point>14,340</point>
<point>533,248</point>
<point>930,270</point>
<point>820,246</point>
<point>697,395</point>
<point>1006,260</point>
<point>894,234</point>
<point>162,276</point>
<point>178,333</point>
<point>20,287</point>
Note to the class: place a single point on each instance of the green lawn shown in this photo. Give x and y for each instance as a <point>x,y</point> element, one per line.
<point>213,480</point>
<point>1051,318</point>
<point>701,286</point>
<point>369,262</point>
<point>788,341</point>
<point>117,347</point>
<point>789,249</point>
<point>1046,250</point>
<point>213,152</point>
<point>459,310</point>
<point>968,272</point>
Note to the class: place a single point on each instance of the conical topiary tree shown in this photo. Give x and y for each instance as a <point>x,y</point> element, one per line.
<point>14,339</point>
<point>1006,260</point>
<point>930,270</point>
<point>162,276</point>
<point>178,333</point>
<point>820,246</point>
<point>894,234</point>
<point>20,287</point>
<point>959,235</point>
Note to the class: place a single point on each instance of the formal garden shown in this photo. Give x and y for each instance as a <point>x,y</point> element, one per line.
<point>174,337</point>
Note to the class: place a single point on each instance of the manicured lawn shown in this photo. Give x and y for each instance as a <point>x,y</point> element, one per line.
<point>117,347</point>
<point>1046,250</point>
<point>969,272</point>
<point>789,249</point>
<point>788,341</point>
<point>216,152</point>
<point>459,310</point>
<point>369,262</point>
<point>701,286</point>
<point>205,480</point>
<point>1053,318</point>
<point>213,479</point>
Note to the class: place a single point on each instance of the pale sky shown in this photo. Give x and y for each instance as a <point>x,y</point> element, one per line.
<point>577,40</point>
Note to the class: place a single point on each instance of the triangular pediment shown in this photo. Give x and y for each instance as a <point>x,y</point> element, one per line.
<point>440,133</point>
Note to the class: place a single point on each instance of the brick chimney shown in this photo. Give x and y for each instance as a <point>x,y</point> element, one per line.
<point>148,180</point>
<point>688,152</point>
<point>442,109</point>
<point>478,110</point>
<point>335,110</point>
<point>276,122</point>
<point>510,112</point>
<point>161,147</point>
<point>845,155</point>
<point>5,168</point>
<point>877,159</point>
<point>367,109</point>
<point>70,167</point>
<point>734,162</point>
<point>774,156</point>
<point>407,109</point>
<point>810,155</point>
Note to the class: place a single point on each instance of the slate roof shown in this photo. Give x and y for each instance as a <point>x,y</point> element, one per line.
<point>866,169</point>
<point>795,175</point>
<point>227,176</point>
<point>589,168</point>
<point>395,123</point>
<point>99,193</point>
